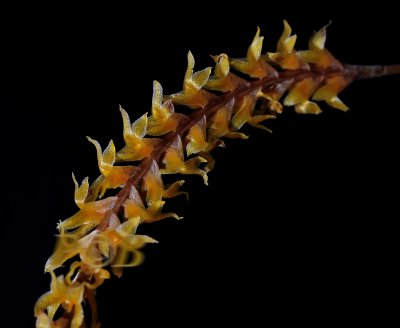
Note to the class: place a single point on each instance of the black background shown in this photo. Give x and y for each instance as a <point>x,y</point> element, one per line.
<point>295,226</point>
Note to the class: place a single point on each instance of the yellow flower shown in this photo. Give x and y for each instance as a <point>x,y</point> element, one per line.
<point>329,91</point>
<point>244,115</point>
<point>70,297</point>
<point>175,163</point>
<point>300,93</point>
<point>82,223</point>
<point>197,138</point>
<point>113,176</point>
<point>317,54</point>
<point>134,207</point>
<point>121,246</point>
<point>192,94</point>
<point>285,55</point>
<point>163,118</point>
<point>223,80</point>
<point>68,246</point>
<point>220,122</point>
<point>154,188</point>
<point>254,65</point>
<point>137,147</point>
<point>89,215</point>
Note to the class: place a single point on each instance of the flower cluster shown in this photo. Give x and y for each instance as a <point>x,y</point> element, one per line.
<point>102,236</point>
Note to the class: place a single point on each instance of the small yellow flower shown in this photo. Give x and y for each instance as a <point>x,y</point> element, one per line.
<point>317,54</point>
<point>134,207</point>
<point>197,138</point>
<point>70,297</point>
<point>113,176</point>
<point>300,93</point>
<point>244,115</point>
<point>329,92</point>
<point>192,94</point>
<point>154,188</point>
<point>175,163</point>
<point>137,147</point>
<point>220,122</point>
<point>223,80</point>
<point>163,118</point>
<point>90,214</point>
<point>254,65</point>
<point>285,55</point>
<point>127,243</point>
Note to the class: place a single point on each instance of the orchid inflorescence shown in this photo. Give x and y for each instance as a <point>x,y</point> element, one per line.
<point>101,238</point>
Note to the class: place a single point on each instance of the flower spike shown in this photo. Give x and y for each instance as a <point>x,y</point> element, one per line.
<point>102,237</point>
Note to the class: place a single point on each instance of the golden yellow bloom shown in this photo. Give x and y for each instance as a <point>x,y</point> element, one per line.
<point>254,65</point>
<point>285,55</point>
<point>134,207</point>
<point>300,93</point>
<point>223,80</point>
<point>197,138</point>
<point>136,146</point>
<point>155,191</point>
<point>163,118</point>
<point>70,297</point>
<point>114,176</point>
<point>175,163</point>
<point>192,94</point>
<point>329,91</point>
<point>317,54</point>
<point>245,115</point>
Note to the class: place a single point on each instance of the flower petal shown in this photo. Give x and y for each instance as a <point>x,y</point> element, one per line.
<point>43,321</point>
<point>80,191</point>
<point>139,127</point>
<point>254,51</point>
<point>318,39</point>
<point>197,138</point>
<point>77,318</point>
<point>107,158</point>
<point>286,41</point>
